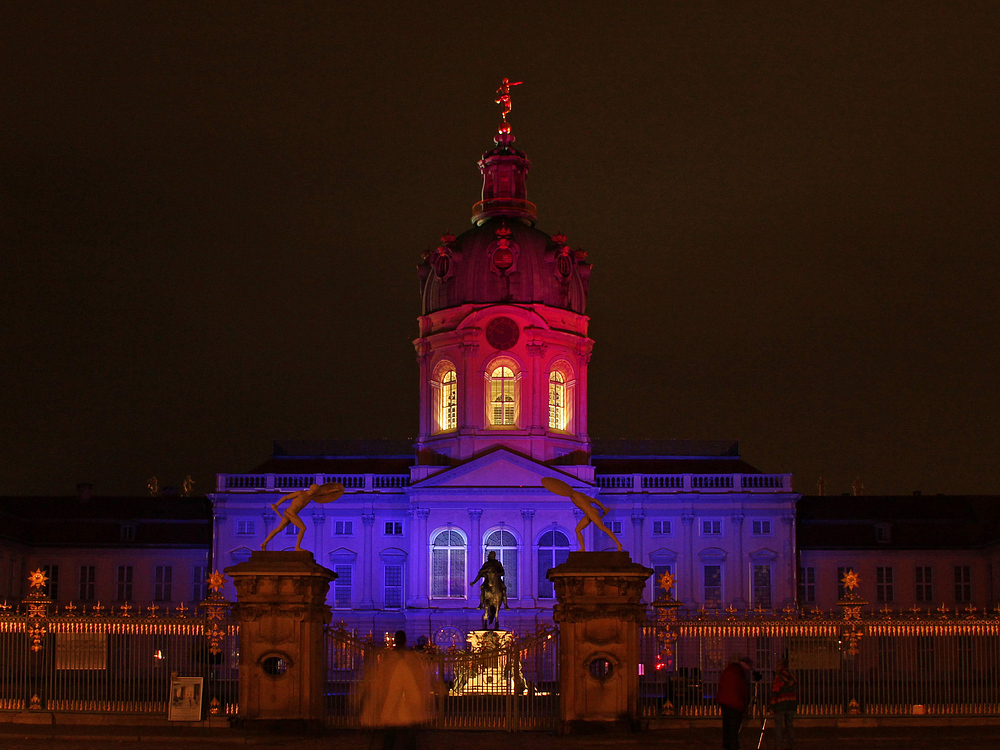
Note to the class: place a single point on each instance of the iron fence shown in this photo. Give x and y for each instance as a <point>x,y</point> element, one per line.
<point>512,687</point>
<point>114,661</point>
<point>890,665</point>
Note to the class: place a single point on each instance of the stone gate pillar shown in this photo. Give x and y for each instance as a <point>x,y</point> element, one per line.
<point>600,611</point>
<point>281,608</point>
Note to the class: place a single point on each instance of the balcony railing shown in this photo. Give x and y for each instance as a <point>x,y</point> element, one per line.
<point>292,482</point>
<point>696,482</point>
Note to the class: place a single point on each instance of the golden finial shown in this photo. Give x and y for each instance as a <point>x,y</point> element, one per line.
<point>216,581</point>
<point>38,579</point>
<point>153,485</point>
<point>503,99</point>
<point>187,486</point>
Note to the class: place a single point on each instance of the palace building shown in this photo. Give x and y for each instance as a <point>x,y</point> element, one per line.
<point>503,350</point>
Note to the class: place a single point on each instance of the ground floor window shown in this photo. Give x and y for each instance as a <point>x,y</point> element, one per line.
<point>713,586</point>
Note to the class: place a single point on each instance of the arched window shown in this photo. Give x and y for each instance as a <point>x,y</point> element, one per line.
<point>444,394</point>
<point>448,565</point>
<point>503,396</point>
<point>449,401</point>
<point>504,543</point>
<point>553,549</point>
<point>557,401</point>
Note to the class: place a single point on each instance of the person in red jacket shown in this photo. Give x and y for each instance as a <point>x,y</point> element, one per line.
<point>734,698</point>
<point>784,701</point>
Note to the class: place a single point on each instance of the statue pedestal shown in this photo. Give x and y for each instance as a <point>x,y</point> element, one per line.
<point>281,607</point>
<point>492,667</point>
<point>600,611</point>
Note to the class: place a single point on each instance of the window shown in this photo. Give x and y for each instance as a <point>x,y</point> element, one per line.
<point>124,583</point>
<point>963,583</point>
<point>448,416</point>
<point>925,587</point>
<point>710,527</point>
<point>291,530</point>
<point>883,533</point>
<point>163,585</point>
<point>503,401</point>
<point>504,543</point>
<point>448,565</point>
<point>807,585</point>
<point>883,585</point>
<point>393,586</point>
<point>615,526</point>
<point>553,550</point>
<point>88,583</point>
<point>762,586</point>
<point>199,583</point>
<point>394,528</point>
<point>661,528</point>
<point>841,589</point>
<point>51,587</point>
<point>658,591</point>
<point>557,401</point>
<point>246,527</point>
<point>761,527</point>
<point>342,586</point>
<point>713,586</point>
<point>126,532</point>
<point>343,528</point>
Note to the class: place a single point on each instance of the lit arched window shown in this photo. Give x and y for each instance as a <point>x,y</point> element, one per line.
<point>449,401</point>
<point>448,565</point>
<point>503,396</point>
<point>444,390</point>
<point>504,543</point>
<point>553,549</point>
<point>557,401</point>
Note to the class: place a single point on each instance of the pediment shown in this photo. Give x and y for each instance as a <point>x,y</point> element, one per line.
<point>499,468</point>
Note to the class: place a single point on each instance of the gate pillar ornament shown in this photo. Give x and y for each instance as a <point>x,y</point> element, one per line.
<point>282,610</point>
<point>600,612</point>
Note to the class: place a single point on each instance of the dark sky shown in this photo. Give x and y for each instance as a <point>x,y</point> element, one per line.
<point>211,214</point>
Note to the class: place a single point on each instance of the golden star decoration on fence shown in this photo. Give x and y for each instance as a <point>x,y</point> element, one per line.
<point>38,579</point>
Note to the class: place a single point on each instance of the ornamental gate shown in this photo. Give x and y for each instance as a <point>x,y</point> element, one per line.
<point>512,684</point>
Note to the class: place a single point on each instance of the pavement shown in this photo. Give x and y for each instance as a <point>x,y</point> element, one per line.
<point>70,737</point>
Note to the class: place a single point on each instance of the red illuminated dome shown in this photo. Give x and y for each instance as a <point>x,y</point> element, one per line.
<point>503,258</point>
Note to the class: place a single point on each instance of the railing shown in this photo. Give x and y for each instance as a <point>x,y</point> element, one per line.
<point>696,482</point>
<point>513,687</point>
<point>891,664</point>
<point>290,482</point>
<point>114,662</point>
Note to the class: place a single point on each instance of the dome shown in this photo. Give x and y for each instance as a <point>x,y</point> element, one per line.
<point>504,258</point>
<point>504,261</point>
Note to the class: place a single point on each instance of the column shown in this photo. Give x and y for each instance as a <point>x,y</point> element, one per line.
<point>790,556</point>
<point>367,602</point>
<point>539,422</point>
<point>423,548</point>
<point>529,584</point>
<point>475,541</point>
<point>741,576</point>
<point>638,518</point>
<point>414,552</point>
<point>689,587</point>
<point>318,522</point>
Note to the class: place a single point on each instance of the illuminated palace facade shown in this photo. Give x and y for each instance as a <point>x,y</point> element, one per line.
<point>503,351</point>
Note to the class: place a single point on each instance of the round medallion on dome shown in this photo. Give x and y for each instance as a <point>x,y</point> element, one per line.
<point>502,333</point>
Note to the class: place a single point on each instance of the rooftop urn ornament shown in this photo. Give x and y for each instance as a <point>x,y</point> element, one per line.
<point>503,99</point>
<point>317,493</point>
<point>857,487</point>
<point>593,509</point>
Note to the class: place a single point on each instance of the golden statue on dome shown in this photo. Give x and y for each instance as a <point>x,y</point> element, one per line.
<point>503,99</point>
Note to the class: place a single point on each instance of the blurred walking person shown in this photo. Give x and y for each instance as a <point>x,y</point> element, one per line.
<point>396,695</point>
<point>784,702</point>
<point>734,698</point>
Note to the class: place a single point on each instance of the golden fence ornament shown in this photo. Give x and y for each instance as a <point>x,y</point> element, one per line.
<point>217,610</point>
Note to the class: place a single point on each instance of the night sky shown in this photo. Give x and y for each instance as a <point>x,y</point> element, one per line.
<point>211,215</point>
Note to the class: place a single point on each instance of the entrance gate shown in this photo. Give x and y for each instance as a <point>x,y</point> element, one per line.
<point>509,687</point>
